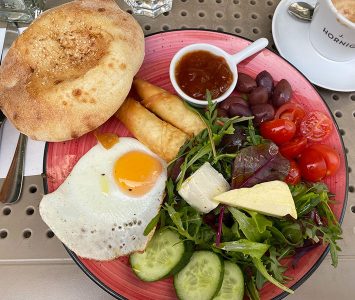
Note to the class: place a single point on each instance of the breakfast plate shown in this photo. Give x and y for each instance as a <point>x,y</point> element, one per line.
<point>291,38</point>
<point>116,276</point>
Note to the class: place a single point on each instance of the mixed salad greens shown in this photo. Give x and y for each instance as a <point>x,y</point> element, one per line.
<point>255,242</point>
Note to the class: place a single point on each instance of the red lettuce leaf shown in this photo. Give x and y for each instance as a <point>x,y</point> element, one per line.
<point>260,163</point>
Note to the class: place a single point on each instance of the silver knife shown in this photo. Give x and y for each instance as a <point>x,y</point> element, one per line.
<point>2,120</point>
<point>3,25</point>
<point>12,185</point>
<point>10,35</point>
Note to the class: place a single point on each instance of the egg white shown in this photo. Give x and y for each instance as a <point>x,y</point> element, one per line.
<point>92,216</point>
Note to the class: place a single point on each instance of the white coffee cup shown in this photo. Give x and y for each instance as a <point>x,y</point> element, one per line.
<point>332,34</point>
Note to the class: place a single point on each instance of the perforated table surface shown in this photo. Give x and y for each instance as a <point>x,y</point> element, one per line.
<point>34,264</point>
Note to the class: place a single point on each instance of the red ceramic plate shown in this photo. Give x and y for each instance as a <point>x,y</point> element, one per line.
<point>116,276</point>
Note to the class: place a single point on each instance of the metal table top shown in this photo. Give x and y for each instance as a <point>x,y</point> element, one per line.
<point>34,264</point>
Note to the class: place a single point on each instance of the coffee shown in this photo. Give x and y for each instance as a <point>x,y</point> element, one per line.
<point>346,8</point>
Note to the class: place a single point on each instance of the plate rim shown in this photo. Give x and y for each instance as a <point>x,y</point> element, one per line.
<point>283,294</point>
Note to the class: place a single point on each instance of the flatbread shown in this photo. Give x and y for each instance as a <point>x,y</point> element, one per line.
<point>71,69</point>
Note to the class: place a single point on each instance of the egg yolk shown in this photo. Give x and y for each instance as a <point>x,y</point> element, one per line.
<point>136,172</point>
<point>107,140</point>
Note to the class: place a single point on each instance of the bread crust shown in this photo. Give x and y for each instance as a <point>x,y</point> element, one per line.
<point>71,69</point>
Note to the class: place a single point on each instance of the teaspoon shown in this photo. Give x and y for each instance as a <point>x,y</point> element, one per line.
<point>301,10</point>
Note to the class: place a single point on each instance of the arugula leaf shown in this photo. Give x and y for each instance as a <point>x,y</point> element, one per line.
<point>249,227</point>
<point>256,250</point>
<point>175,217</point>
<point>326,211</point>
<point>329,235</point>
<point>306,200</point>
<point>235,230</point>
<point>188,222</point>
<point>227,234</point>
<point>260,220</point>
<point>205,237</point>
<point>279,236</point>
<point>293,232</point>
<point>317,196</point>
<point>151,225</point>
<point>170,192</point>
<point>163,218</point>
<point>251,289</point>
<point>259,280</point>
<point>274,266</point>
<point>298,190</point>
<point>253,138</point>
<point>191,159</point>
<point>261,268</point>
<point>211,115</point>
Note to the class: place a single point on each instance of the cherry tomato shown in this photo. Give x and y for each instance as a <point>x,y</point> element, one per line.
<point>316,126</point>
<point>294,175</point>
<point>279,131</point>
<point>331,157</point>
<point>312,165</point>
<point>292,112</point>
<point>294,147</point>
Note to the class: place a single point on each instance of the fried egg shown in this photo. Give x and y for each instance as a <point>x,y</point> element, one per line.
<point>102,208</point>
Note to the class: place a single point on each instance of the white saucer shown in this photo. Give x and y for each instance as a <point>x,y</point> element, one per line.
<point>292,41</point>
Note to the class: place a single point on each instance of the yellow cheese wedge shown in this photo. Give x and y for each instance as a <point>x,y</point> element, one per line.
<point>271,198</point>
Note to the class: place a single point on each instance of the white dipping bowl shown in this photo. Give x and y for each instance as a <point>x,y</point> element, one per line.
<point>231,60</point>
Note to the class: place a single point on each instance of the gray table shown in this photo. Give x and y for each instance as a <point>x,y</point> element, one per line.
<point>39,268</point>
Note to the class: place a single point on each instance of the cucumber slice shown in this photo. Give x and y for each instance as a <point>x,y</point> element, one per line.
<point>165,255</point>
<point>201,278</point>
<point>233,283</point>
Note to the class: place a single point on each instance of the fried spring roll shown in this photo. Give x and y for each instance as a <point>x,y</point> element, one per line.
<point>162,138</point>
<point>169,107</point>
